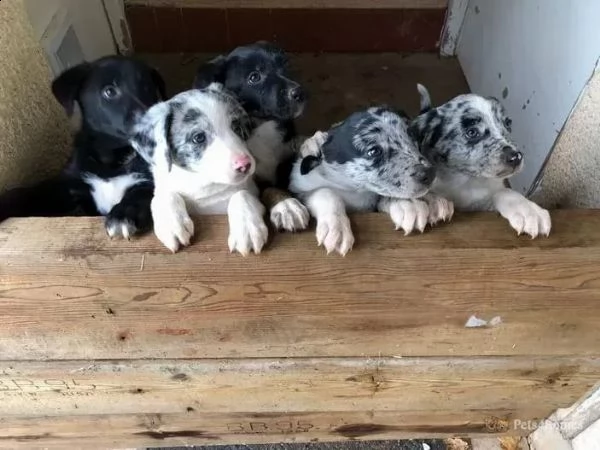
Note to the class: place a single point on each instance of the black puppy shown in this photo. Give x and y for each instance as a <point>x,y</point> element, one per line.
<point>104,175</point>
<point>257,75</point>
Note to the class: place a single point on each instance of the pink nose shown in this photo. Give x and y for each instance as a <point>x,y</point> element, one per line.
<point>242,164</point>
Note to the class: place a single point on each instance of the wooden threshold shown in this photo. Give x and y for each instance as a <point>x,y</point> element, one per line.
<point>122,344</point>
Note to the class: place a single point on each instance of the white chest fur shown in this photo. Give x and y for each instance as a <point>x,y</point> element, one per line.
<point>267,146</point>
<point>110,192</point>
<point>467,193</point>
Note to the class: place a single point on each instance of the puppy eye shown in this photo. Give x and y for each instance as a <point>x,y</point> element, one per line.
<point>254,78</point>
<point>374,152</point>
<point>111,92</point>
<point>199,138</point>
<point>238,129</point>
<point>508,123</point>
<point>472,133</point>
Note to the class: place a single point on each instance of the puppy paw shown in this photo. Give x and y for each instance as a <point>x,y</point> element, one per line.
<point>290,215</point>
<point>247,229</point>
<point>125,221</point>
<point>335,234</point>
<point>312,146</point>
<point>172,223</point>
<point>527,217</point>
<point>440,209</point>
<point>409,215</point>
<point>119,228</point>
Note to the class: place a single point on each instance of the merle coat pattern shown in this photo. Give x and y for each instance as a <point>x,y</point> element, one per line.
<point>104,175</point>
<point>468,140</point>
<point>258,76</point>
<point>370,161</point>
<point>195,144</point>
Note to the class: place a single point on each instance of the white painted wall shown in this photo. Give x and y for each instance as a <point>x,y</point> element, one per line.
<point>88,17</point>
<point>536,56</point>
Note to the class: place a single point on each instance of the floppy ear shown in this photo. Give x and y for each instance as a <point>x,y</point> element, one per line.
<point>160,83</point>
<point>151,136</point>
<point>309,163</point>
<point>211,72</point>
<point>67,85</point>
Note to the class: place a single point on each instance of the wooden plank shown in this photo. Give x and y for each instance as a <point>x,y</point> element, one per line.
<point>67,292</point>
<point>536,385</point>
<point>350,4</point>
<point>194,428</point>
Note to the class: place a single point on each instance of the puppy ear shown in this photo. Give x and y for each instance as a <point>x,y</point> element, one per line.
<point>160,83</point>
<point>67,85</point>
<point>211,72</point>
<point>151,136</point>
<point>309,163</point>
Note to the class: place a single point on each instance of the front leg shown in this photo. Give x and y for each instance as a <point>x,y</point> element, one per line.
<point>522,214</point>
<point>286,212</point>
<point>132,214</point>
<point>172,223</point>
<point>333,226</point>
<point>247,229</point>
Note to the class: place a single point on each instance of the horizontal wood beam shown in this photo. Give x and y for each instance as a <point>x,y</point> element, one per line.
<point>67,292</point>
<point>300,4</point>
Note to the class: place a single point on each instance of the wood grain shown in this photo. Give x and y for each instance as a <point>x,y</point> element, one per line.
<point>351,4</point>
<point>188,429</point>
<point>278,386</point>
<point>121,344</point>
<point>67,292</point>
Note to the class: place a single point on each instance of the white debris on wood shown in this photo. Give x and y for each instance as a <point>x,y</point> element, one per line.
<point>426,447</point>
<point>476,322</point>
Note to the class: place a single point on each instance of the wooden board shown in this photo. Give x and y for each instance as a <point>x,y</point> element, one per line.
<point>70,293</point>
<point>351,4</point>
<point>121,344</point>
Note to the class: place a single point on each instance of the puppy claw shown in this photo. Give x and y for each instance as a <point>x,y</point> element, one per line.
<point>290,215</point>
<point>247,230</point>
<point>172,223</point>
<point>525,217</point>
<point>409,215</point>
<point>335,234</point>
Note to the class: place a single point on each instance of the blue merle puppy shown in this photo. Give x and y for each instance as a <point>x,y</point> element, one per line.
<point>368,162</point>
<point>468,141</point>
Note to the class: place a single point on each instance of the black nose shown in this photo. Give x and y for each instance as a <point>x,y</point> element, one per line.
<point>512,157</point>
<point>296,94</point>
<point>424,174</point>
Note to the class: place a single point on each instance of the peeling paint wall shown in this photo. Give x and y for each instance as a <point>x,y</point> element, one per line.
<point>536,56</point>
<point>35,133</point>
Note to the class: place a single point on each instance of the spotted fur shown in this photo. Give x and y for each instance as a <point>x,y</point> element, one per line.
<point>357,165</point>
<point>195,144</point>
<point>468,140</point>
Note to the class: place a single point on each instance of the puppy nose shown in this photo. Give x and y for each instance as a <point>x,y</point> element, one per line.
<point>242,164</point>
<point>512,156</point>
<point>297,94</point>
<point>425,174</point>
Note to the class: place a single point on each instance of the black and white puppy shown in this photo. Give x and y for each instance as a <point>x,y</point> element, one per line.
<point>257,75</point>
<point>368,162</point>
<point>468,140</point>
<point>201,165</point>
<point>104,176</point>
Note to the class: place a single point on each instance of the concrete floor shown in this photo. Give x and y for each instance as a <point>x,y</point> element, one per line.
<point>338,85</point>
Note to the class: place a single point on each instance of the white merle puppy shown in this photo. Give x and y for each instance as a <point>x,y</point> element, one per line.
<point>468,141</point>
<point>368,162</point>
<point>201,165</point>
